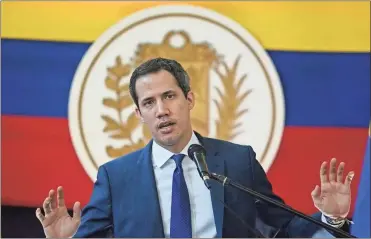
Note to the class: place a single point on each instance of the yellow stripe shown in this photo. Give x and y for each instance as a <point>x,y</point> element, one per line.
<point>307,26</point>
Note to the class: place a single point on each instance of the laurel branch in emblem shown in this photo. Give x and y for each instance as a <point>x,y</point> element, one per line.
<point>227,127</point>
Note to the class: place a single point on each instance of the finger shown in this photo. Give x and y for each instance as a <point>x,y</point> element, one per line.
<point>46,206</point>
<point>39,215</point>
<point>77,211</point>
<point>60,196</point>
<point>323,172</point>
<point>53,201</point>
<point>340,173</point>
<point>349,178</point>
<point>332,175</point>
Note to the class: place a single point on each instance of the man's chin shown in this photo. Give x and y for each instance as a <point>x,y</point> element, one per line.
<point>169,139</point>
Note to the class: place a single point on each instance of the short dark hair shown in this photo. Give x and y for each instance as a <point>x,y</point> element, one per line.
<point>155,65</point>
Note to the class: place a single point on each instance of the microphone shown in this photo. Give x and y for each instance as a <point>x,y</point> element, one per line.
<point>198,154</point>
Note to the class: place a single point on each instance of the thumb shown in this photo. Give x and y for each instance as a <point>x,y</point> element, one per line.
<point>77,211</point>
<point>316,193</point>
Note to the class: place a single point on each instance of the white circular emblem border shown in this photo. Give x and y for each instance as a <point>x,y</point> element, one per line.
<point>172,9</point>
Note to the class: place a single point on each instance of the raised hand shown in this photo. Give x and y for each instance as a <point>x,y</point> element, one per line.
<point>57,223</point>
<point>333,198</point>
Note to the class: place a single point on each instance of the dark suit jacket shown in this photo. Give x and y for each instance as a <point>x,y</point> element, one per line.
<point>124,202</point>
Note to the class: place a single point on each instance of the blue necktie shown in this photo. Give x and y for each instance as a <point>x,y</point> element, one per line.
<point>180,224</point>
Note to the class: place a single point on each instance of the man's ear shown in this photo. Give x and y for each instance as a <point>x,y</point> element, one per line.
<point>191,100</point>
<point>138,114</point>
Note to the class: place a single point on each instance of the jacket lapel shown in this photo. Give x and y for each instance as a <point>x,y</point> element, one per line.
<point>215,164</point>
<point>149,210</point>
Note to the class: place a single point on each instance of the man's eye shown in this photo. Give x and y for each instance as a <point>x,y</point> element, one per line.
<point>170,96</point>
<point>148,103</point>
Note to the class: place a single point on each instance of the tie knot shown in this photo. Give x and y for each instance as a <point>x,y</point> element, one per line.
<point>178,158</point>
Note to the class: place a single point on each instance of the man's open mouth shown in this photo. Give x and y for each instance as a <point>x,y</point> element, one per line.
<point>165,124</point>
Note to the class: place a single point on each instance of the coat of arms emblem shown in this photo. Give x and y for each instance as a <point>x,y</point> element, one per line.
<point>238,92</point>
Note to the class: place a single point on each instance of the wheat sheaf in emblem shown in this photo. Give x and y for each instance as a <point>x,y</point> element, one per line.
<point>228,106</point>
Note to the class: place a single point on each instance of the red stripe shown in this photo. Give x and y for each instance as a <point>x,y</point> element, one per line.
<point>38,155</point>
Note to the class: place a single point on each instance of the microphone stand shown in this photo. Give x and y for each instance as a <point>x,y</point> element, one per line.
<point>226,181</point>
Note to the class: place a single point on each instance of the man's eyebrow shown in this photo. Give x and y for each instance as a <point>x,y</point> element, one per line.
<point>168,92</point>
<point>146,99</point>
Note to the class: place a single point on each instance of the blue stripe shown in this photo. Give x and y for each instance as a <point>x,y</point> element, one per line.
<point>321,89</point>
<point>36,76</point>
<point>325,89</point>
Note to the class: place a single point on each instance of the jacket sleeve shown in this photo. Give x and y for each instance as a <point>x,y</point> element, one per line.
<point>96,220</point>
<point>280,222</point>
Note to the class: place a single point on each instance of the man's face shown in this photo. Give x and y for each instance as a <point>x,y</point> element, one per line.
<point>164,108</point>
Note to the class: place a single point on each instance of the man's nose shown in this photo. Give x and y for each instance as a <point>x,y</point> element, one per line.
<point>162,109</point>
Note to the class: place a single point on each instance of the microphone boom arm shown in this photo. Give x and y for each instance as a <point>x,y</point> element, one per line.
<point>226,181</point>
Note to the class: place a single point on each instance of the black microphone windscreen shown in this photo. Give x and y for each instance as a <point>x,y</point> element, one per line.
<point>195,148</point>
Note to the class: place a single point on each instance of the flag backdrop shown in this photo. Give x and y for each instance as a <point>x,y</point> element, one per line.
<point>320,49</point>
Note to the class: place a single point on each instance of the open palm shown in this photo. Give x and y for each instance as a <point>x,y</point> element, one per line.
<point>333,198</point>
<point>57,223</point>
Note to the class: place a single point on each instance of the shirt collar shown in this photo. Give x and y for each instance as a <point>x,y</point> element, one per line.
<point>160,155</point>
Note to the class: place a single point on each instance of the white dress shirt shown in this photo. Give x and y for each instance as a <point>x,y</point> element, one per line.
<point>202,215</point>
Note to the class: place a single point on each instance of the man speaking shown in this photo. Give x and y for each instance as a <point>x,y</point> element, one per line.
<point>158,192</point>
